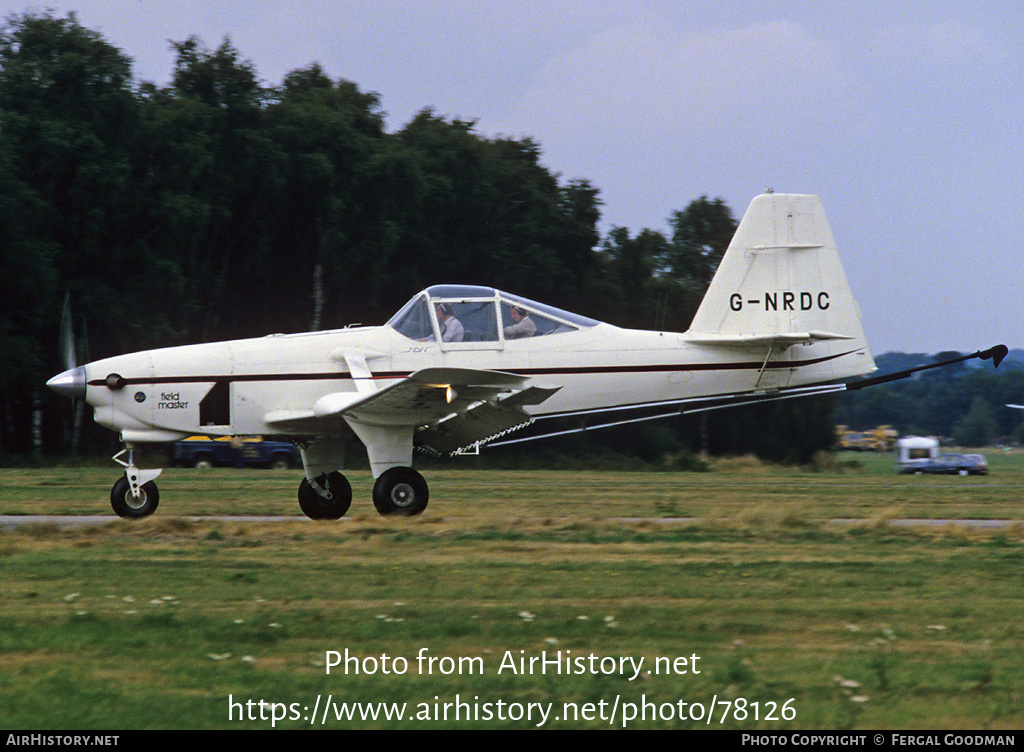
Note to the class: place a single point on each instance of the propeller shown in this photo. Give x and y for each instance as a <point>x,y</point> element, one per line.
<point>70,383</point>
<point>68,352</point>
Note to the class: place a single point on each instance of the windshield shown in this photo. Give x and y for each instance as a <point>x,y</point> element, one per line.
<point>470,313</point>
<point>413,320</point>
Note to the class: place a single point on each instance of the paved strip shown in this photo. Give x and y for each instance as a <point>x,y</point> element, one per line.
<point>76,521</point>
<point>72,521</point>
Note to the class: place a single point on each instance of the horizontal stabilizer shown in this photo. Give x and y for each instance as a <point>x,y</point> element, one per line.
<point>760,340</point>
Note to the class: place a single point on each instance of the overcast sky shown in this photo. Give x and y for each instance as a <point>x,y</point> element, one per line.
<point>905,117</point>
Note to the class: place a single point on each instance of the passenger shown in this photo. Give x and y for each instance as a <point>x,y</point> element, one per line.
<point>451,327</point>
<point>523,326</point>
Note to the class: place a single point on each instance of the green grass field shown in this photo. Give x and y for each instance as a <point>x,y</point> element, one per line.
<point>795,622</point>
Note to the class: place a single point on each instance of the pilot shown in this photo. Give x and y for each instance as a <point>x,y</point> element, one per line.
<point>523,326</point>
<point>451,327</point>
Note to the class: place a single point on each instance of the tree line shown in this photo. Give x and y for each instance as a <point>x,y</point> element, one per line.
<point>216,207</point>
<point>962,403</point>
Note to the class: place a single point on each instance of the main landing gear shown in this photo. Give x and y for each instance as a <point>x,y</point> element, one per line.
<point>326,498</point>
<point>398,491</point>
<point>325,494</point>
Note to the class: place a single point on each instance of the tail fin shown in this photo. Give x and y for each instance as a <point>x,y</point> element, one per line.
<point>781,288</point>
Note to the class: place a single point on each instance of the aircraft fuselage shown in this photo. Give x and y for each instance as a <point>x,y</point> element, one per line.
<point>231,388</point>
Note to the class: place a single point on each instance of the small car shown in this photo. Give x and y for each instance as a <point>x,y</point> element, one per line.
<point>948,464</point>
<point>251,451</point>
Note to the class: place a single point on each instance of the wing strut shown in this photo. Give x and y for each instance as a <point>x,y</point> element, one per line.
<point>767,357</point>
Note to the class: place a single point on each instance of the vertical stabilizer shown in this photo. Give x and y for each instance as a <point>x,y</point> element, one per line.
<point>781,286</point>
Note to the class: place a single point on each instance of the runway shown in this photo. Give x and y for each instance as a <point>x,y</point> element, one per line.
<point>74,521</point>
<point>71,522</point>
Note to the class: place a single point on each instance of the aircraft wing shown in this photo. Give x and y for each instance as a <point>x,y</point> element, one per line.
<point>483,421</point>
<point>452,408</point>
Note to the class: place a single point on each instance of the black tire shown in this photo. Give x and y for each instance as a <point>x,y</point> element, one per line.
<point>280,461</point>
<point>400,490</point>
<point>316,507</point>
<point>126,505</point>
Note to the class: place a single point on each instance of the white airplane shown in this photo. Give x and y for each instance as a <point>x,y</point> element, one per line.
<point>457,367</point>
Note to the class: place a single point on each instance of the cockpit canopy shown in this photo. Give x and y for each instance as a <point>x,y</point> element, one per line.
<point>468,313</point>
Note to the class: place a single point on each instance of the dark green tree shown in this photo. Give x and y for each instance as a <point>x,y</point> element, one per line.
<point>67,114</point>
<point>978,427</point>
<point>701,233</point>
<point>628,283</point>
<point>485,211</point>
<point>329,247</point>
<point>26,296</point>
<point>223,186</point>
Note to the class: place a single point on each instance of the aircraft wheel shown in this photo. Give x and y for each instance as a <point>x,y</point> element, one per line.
<point>126,505</point>
<point>316,507</point>
<point>281,462</point>
<point>400,490</point>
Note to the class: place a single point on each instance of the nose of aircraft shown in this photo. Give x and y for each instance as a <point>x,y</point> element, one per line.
<point>71,383</point>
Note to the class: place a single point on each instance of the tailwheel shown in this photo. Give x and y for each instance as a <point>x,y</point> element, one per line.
<point>127,504</point>
<point>400,490</point>
<point>332,504</point>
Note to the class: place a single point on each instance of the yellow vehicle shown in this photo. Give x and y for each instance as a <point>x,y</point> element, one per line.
<point>237,451</point>
<point>880,439</point>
